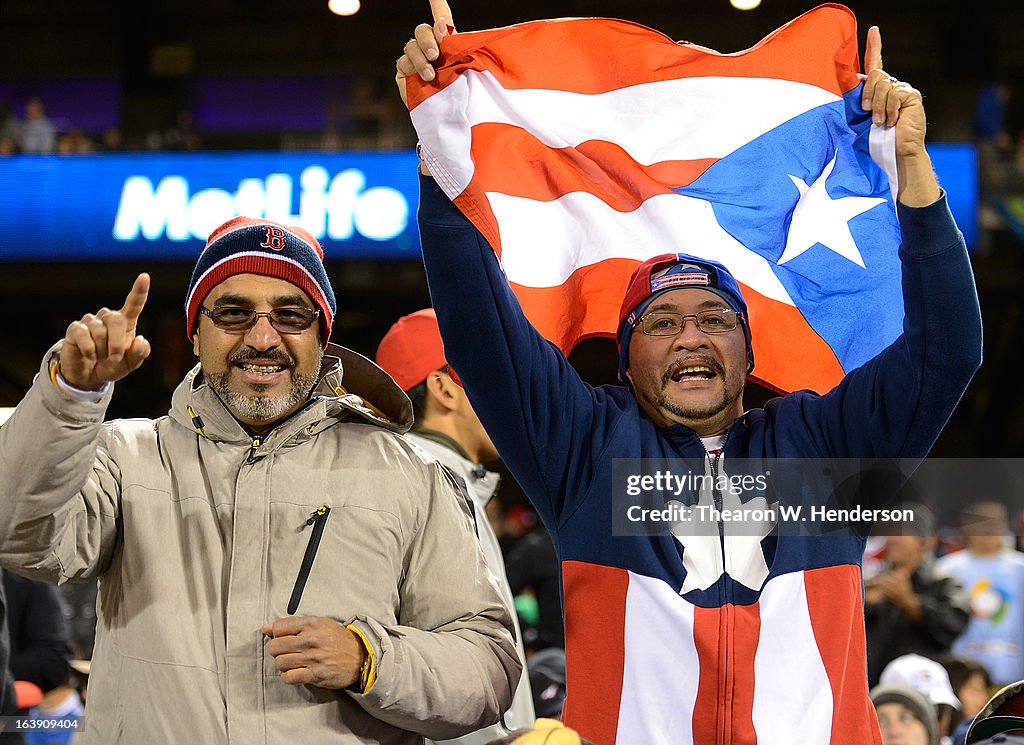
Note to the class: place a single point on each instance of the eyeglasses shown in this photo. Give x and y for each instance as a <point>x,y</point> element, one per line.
<point>665,323</point>
<point>239,320</point>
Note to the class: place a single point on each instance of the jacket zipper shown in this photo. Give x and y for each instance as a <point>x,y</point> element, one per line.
<point>318,519</point>
<point>257,440</point>
<point>725,626</point>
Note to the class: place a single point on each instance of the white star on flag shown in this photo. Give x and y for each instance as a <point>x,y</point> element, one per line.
<point>818,218</point>
<point>738,552</point>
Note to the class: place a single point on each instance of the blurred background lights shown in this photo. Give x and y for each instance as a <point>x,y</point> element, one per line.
<point>741,4</point>
<point>346,7</point>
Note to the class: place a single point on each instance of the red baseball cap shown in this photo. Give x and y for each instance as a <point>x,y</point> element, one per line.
<point>412,349</point>
<point>27,694</point>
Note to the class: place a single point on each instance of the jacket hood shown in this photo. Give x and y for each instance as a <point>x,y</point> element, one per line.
<point>350,386</point>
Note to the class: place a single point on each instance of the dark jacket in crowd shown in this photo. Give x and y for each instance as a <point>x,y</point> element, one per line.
<point>8,703</point>
<point>40,644</point>
<point>532,562</point>
<point>891,633</point>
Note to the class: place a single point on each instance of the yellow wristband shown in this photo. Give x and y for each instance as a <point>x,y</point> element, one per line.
<point>368,674</point>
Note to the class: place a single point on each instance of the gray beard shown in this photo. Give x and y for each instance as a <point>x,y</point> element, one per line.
<point>262,409</point>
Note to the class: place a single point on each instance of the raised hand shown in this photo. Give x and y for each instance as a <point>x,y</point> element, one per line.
<point>893,103</point>
<point>103,347</point>
<point>423,49</point>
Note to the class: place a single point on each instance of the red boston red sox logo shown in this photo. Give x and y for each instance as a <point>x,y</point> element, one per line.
<point>275,238</point>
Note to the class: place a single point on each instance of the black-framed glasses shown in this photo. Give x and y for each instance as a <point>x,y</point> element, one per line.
<point>236,320</point>
<point>667,323</point>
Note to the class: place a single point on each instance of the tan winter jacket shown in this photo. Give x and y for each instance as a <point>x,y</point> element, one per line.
<point>198,534</point>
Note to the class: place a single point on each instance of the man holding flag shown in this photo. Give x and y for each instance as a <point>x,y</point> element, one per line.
<point>681,636</point>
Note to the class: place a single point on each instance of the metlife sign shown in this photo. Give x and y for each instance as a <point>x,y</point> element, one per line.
<point>162,206</point>
<point>129,207</point>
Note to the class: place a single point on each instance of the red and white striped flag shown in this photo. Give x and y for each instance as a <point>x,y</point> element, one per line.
<point>581,147</point>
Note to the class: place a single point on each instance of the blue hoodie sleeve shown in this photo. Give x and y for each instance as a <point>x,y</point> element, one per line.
<point>535,407</point>
<point>896,404</point>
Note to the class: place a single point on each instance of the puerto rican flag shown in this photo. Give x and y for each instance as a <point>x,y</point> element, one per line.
<point>581,147</point>
<point>646,666</point>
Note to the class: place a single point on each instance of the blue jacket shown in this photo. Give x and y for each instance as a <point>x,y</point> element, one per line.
<point>647,656</point>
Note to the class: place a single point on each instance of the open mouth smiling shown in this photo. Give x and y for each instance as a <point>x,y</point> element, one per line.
<point>261,369</point>
<point>680,373</point>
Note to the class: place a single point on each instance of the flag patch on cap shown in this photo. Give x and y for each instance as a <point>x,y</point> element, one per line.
<point>686,277</point>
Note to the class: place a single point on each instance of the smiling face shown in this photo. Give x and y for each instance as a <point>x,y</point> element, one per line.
<point>692,378</point>
<point>261,375</point>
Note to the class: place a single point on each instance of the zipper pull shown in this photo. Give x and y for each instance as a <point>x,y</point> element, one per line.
<point>256,442</point>
<point>320,512</point>
<point>318,520</point>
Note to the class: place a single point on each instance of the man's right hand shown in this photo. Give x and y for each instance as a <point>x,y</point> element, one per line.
<point>103,347</point>
<point>423,49</point>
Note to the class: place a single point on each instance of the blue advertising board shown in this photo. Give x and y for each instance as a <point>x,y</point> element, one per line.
<point>128,207</point>
<point>112,207</point>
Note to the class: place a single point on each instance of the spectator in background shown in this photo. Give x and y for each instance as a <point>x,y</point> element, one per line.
<point>449,430</point>
<point>1003,714</point>
<point>908,608</point>
<point>10,130</point>
<point>518,520</point>
<point>38,135</point>
<point>1018,529</point>
<point>40,647</point>
<point>989,124</point>
<point>180,133</point>
<point>971,684</point>
<point>547,679</point>
<point>905,716</point>
<point>532,566</point>
<point>929,678</point>
<point>75,143</point>
<point>8,702</point>
<point>992,574</point>
<point>80,600</point>
<point>40,652</point>
<point>112,140</point>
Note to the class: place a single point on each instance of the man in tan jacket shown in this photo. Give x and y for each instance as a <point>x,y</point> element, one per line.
<point>276,564</point>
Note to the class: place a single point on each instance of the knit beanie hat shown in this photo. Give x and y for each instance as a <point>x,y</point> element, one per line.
<point>667,272</point>
<point>244,245</point>
<point>913,699</point>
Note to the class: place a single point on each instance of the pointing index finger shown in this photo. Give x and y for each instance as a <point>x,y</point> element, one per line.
<point>873,50</point>
<point>136,300</point>
<point>442,14</point>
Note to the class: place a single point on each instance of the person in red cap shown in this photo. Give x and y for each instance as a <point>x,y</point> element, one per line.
<point>447,428</point>
<point>275,561</point>
<point>693,613</point>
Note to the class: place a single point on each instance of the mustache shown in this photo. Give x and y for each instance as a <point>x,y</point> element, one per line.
<point>273,355</point>
<point>691,361</point>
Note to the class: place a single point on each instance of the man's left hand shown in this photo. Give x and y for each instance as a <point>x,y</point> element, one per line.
<point>896,104</point>
<point>892,102</point>
<point>313,650</point>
